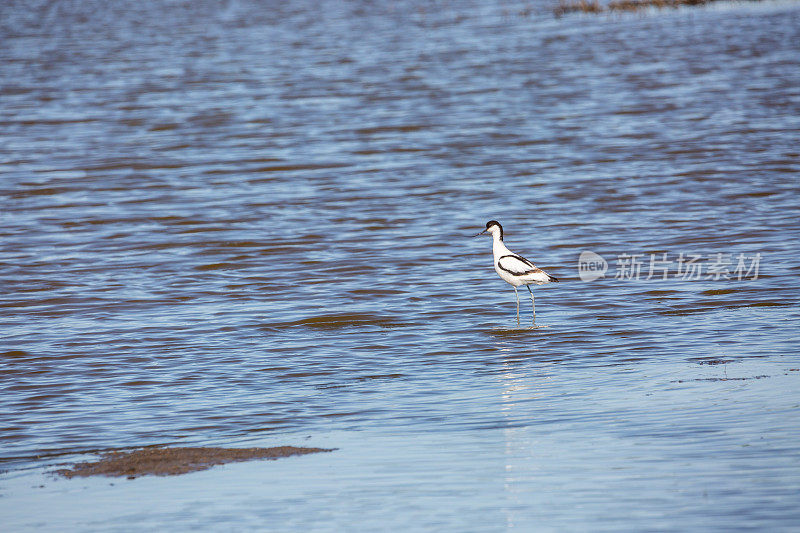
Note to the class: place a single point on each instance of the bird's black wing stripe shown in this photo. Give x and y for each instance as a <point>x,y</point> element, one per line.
<point>523,260</point>
<point>515,256</point>
<point>511,271</point>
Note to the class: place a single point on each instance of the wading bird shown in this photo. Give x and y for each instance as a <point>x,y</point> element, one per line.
<point>513,268</point>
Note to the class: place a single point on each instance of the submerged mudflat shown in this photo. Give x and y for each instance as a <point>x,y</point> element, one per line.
<point>174,461</point>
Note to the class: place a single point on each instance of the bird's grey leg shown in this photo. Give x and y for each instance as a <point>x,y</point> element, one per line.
<point>532,304</point>
<point>515,292</point>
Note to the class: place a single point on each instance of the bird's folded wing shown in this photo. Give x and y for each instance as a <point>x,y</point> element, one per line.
<point>517,265</point>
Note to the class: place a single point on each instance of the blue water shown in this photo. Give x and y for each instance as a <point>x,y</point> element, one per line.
<point>249,224</point>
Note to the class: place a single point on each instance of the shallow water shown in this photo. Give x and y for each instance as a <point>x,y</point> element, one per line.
<point>248,224</point>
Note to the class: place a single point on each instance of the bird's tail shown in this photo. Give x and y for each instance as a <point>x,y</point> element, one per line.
<point>553,278</point>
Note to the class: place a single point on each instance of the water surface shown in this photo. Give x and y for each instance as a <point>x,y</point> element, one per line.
<point>248,224</point>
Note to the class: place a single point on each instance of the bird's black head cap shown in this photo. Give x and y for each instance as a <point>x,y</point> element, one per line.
<point>495,223</point>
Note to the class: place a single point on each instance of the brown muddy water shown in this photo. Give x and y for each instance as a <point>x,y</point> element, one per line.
<point>247,224</point>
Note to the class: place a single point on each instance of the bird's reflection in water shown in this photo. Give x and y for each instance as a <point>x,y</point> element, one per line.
<point>522,386</point>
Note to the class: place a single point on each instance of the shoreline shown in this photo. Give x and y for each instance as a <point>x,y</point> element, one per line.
<point>594,6</point>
